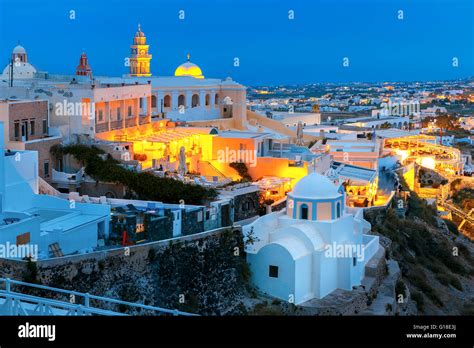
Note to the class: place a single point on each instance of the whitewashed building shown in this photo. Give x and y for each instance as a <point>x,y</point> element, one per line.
<point>82,105</point>
<point>47,226</point>
<point>19,65</point>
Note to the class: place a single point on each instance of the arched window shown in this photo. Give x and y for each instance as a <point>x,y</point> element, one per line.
<point>304,212</point>
<point>338,210</point>
<point>208,97</point>
<point>181,100</point>
<point>195,101</point>
<point>153,101</point>
<point>167,101</point>
<point>216,99</point>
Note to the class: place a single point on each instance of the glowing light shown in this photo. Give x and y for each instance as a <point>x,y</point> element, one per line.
<point>189,69</point>
<point>402,153</point>
<point>428,162</point>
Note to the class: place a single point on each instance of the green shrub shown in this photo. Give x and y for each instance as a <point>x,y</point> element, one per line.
<point>468,310</point>
<point>144,185</point>
<point>448,279</point>
<point>242,170</point>
<point>419,300</point>
<point>451,227</point>
<point>400,288</point>
<point>443,279</point>
<point>151,254</point>
<point>418,278</point>
<point>465,252</point>
<point>456,283</point>
<point>30,275</point>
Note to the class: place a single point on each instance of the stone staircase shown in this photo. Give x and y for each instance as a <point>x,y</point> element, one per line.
<point>44,188</point>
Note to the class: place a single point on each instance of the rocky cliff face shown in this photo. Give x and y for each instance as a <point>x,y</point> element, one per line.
<point>436,263</point>
<point>427,263</point>
<point>208,276</point>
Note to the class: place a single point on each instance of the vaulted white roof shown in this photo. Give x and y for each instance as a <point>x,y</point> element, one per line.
<point>315,186</point>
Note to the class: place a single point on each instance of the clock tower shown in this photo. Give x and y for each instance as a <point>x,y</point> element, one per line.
<point>139,57</point>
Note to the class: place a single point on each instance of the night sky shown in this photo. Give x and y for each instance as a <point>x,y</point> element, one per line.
<point>271,48</point>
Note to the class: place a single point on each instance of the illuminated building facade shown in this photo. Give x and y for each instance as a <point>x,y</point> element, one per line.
<point>159,143</point>
<point>423,150</point>
<point>362,153</point>
<point>360,184</point>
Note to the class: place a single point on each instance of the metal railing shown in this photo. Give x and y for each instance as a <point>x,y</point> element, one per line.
<point>79,304</point>
<point>213,167</point>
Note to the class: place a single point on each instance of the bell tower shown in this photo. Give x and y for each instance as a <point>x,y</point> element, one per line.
<point>139,57</point>
<point>84,69</point>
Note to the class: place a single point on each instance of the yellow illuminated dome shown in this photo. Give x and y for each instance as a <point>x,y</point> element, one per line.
<point>189,69</point>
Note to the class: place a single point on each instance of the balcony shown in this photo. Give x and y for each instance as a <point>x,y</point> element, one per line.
<point>101,127</point>
<point>67,178</point>
<point>115,124</point>
<point>144,119</point>
<point>130,122</point>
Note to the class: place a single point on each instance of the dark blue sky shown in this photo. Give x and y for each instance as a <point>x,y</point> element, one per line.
<point>271,48</point>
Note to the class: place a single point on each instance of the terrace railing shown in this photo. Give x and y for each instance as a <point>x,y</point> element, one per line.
<point>13,303</point>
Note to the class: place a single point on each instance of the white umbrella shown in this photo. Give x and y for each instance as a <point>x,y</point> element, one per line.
<point>182,168</point>
<point>299,134</point>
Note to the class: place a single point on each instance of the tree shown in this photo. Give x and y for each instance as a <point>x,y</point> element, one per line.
<point>242,169</point>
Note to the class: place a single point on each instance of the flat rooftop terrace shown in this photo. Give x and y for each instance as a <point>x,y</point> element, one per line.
<point>55,219</point>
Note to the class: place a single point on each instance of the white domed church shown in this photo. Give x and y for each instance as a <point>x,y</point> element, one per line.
<point>315,246</point>
<point>22,69</point>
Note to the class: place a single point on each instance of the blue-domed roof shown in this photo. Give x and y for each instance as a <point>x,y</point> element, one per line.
<point>315,186</point>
